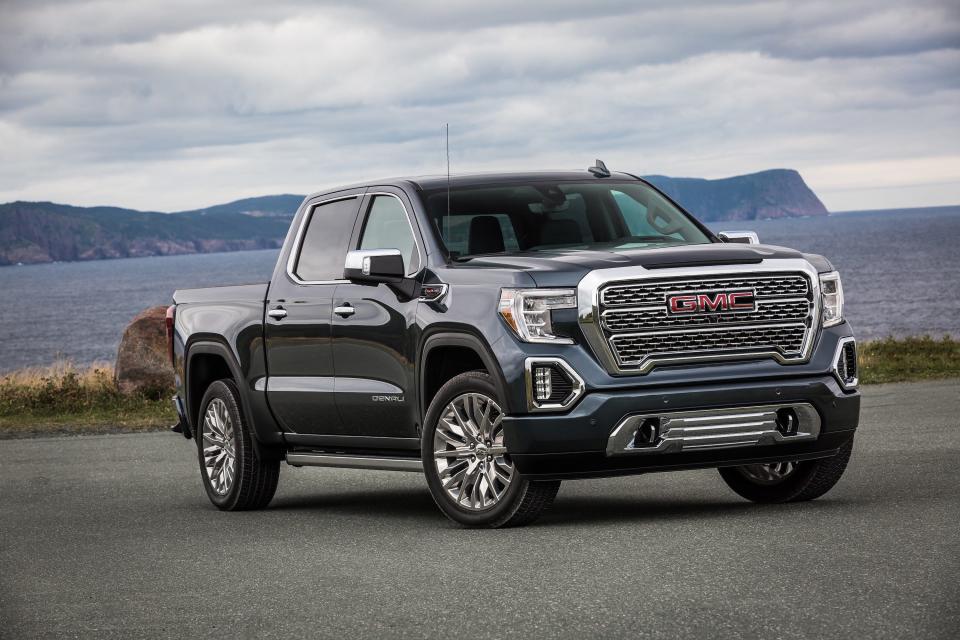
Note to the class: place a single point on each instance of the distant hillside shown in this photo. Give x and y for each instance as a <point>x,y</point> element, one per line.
<point>264,206</point>
<point>777,193</point>
<point>33,232</point>
<point>45,232</point>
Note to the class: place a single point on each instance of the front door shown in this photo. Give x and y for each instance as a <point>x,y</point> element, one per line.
<point>374,348</point>
<point>300,371</point>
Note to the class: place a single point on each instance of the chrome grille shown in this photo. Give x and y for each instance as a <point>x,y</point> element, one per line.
<point>634,325</point>
<point>634,348</point>
<point>655,292</point>
<point>619,320</point>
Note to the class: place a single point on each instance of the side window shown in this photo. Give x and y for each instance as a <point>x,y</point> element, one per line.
<point>324,245</point>
<point>387,228</point>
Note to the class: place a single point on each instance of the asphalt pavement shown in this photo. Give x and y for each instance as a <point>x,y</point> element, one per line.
<point>113,537</point>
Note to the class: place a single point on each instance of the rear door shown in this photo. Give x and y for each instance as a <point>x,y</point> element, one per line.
<point>374,347</point>
<point>300,371</point>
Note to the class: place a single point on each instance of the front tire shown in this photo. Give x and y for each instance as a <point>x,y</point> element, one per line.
<point>788,481</point>
<point>234,476</point>
<point>468,469</point>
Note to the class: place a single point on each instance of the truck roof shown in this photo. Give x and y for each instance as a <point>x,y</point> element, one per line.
<point>457,180</point>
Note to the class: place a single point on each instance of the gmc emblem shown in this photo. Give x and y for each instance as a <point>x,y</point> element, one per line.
<point>711,302</point>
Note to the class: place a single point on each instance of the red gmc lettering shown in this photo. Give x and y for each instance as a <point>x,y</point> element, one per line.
<point>706,303</point>
<point>683,304</point>
<point>741,300</point>
<point>712,302</point>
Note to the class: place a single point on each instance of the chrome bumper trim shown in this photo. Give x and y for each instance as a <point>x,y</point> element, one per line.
<point>714,429</point>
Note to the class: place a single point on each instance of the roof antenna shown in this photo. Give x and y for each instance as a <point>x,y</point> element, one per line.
<point>449,222</point>
<point>600,170</point>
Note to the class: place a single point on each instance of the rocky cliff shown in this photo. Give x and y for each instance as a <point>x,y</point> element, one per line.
<point>777,193</point>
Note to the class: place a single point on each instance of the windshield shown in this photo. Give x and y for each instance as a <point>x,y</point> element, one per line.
<point>555,216</point>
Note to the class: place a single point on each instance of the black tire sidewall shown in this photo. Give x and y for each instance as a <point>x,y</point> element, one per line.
<point>227,391</point>
<point>782,491</point>
<point>470,382</point>
<point>795,487</point>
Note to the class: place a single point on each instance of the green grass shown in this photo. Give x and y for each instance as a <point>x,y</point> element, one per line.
<point>64,399</point>
<point>909,359</point>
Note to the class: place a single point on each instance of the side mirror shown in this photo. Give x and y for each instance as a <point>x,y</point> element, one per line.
<point>374,265</point>
<point>740,237</point>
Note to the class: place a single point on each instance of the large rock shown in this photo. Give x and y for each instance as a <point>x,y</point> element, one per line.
<point>143,363</point>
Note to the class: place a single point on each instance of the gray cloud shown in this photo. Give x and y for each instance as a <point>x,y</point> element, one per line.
<point>169,105</point>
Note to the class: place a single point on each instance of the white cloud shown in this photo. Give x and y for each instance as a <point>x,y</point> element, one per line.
<point>170,105</point>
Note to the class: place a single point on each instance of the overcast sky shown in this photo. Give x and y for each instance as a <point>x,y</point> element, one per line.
<point>168,105</point>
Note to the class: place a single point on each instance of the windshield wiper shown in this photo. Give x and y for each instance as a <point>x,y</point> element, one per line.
<point>653,239</point>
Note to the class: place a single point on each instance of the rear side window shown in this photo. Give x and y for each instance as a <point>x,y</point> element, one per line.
<point>324,245</point>
<point>387,228</point>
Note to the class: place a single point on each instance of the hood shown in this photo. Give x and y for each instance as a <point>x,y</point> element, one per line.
<point>566,267</point>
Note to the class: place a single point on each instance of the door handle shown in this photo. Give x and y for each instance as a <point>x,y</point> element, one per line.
<point>278,314</point>
<point>345,310</point>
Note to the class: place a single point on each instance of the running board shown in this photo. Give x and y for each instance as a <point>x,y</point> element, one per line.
<point>383,463</point>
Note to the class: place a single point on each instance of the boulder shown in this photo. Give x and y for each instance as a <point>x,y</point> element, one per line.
<point>143,363</point>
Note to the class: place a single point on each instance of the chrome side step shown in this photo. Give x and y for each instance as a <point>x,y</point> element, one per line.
<point>383,463</point>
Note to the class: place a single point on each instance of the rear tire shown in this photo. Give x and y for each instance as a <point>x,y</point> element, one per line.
<point>788,481</point>
<point>468,469</point>
<point>234,476</point>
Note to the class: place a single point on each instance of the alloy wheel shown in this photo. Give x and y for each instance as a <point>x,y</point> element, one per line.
<point>772,473</point>
<point>219,447</point>
<point>471,459</point>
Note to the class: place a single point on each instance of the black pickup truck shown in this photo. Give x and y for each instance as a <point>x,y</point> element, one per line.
<point>501,333</point>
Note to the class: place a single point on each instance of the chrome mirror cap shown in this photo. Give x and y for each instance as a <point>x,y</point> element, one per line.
<point>740,237</point>
<point>374,265</point>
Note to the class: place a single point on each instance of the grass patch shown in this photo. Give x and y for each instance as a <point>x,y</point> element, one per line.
<point>63,398</point>
<point>909,359</point>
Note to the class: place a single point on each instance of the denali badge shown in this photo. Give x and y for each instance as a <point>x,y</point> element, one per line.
<point>387,398</point>
<point>712,302</point>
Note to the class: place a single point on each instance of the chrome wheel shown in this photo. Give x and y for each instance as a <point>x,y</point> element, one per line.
<point>772,473</point>
<point>471,460</point>
<point>219,447</point>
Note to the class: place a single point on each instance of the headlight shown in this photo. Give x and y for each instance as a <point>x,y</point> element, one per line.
<point>527,311</point>
<point>831,291</point>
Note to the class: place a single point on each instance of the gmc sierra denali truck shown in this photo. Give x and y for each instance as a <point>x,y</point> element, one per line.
<point>501,333</point>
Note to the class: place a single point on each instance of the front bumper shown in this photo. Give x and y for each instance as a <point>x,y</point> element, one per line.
<point>575,444</point>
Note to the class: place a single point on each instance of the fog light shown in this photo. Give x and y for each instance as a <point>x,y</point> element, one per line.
<point>552,385</point>
<point>543,385</point>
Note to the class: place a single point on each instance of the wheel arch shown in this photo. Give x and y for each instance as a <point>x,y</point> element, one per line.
<point>208,360</point>
<point>446,354</point>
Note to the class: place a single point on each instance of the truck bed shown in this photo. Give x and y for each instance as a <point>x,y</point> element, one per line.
<point>234,293</point>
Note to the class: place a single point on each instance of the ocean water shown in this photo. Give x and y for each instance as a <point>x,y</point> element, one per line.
<point>901,276</point>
